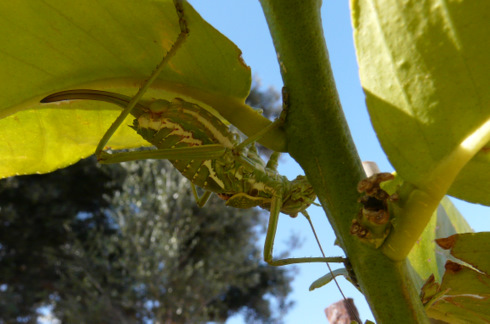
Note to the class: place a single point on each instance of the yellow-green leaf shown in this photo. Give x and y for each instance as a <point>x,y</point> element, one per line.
<point>471,248</point>
<point>425,71</point>
<point>426,258</point>
<point>54,45</point>
<point>462,297</point>
<point>464,294</point>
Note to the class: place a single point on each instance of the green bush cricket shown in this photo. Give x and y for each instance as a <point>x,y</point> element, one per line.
<point>207,153</point>
<point>211,156</point>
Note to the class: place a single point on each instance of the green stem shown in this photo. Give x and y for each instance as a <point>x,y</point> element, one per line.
<point>319,139</point>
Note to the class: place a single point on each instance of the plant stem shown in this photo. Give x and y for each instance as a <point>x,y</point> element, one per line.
<point>318,138</point>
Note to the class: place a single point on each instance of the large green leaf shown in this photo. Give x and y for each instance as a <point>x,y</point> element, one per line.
<point>426,258</point>
<point>471,248</point>
<point>425,69</point>
<point>54,45</point>
<point>463,295</point>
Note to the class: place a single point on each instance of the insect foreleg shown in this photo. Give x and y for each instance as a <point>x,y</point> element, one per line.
<point>271,234</point>
<point>200,201</point>
<point>184,31</point>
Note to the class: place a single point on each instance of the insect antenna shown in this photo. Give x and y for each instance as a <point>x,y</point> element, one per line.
<point>349,305</point>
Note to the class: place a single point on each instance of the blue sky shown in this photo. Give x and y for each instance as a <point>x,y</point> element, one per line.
<point>243,22</point>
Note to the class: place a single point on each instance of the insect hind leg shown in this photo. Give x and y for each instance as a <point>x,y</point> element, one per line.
<point>200,201</point>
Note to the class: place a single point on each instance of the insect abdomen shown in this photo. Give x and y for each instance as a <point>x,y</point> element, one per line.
<point>182,124</point>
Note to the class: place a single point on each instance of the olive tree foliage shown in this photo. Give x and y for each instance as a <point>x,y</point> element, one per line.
<point>173,261</point>
<point>127,244</point>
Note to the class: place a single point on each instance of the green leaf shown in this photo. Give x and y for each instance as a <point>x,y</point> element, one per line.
<point>464,291</point>
<point>424,68</point>
<point>426,258</point>
<point>48,46</point>
<point>323,280</point>
<point>471,248</point>
<point>462,295</point>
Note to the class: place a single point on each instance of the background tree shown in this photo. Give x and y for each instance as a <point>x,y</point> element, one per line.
<point>127,243</point>
<point>39,221</point>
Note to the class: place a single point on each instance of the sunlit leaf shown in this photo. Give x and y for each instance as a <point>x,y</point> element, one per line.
<point>471,248</point>
<point>323,280</point>
<point>54,45</point>
<point>464,291</point>
<point>462,297</point>
<point>424,68</point>
<point>426,258</point>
